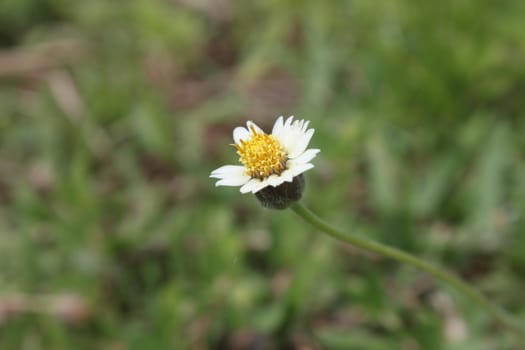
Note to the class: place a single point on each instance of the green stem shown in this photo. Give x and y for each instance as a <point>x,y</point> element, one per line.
<point>409,259</point>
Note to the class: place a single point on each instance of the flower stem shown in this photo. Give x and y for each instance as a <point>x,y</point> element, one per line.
<point>399,255</point>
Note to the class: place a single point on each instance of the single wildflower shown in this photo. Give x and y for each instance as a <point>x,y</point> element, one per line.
<point>272,164</point>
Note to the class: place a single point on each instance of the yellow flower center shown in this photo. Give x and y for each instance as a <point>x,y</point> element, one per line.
<point>262,155</point>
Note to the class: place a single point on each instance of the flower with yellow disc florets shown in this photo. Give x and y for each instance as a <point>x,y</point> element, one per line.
<point>272,163</point>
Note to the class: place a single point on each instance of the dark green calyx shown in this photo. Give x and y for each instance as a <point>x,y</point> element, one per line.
<point>282,196</point>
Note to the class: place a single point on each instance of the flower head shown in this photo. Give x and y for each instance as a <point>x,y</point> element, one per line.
<point>268,159</point>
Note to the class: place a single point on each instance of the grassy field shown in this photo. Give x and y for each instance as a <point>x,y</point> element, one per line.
<point>114,113</point>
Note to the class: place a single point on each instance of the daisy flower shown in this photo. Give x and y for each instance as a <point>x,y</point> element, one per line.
<point>268,159</point>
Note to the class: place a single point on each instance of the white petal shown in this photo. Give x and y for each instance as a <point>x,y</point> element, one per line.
<point>234,181</point>
<point>251,125</point>
<point>300,168</point>
<point>240,133</point>
<point>250,185</point>
<point>275,180</point>
<point>288,138</point>
<point>288,122</point>
<point>305,125</point>
<point>287,135</point>
<point>260,185</point>
<point>247,187</point>
<point>300,143</point>
<point>278,126</point>
<point>285,176</point>
<point>294,136</point>
<point>307,156</point>
<point>231,175</point>
<point>228,170</point>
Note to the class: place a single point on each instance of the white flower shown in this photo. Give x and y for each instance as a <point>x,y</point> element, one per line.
<point>268,160</point>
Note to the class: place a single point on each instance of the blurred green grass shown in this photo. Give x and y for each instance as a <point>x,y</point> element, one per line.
<point>112,115</point>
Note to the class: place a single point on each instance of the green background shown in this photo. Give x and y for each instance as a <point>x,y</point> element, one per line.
<point>113,114</point>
